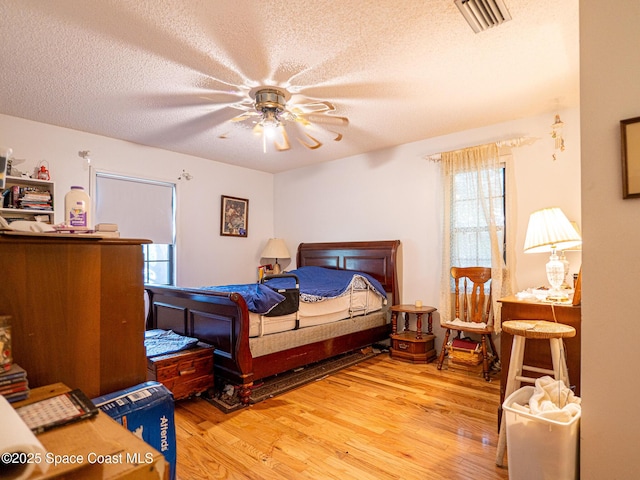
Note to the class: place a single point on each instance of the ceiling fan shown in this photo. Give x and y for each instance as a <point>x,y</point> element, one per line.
<point>270,114</point>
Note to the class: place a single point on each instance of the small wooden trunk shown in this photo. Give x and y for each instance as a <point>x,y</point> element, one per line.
<point>185,373</point>
<point>405,346</point>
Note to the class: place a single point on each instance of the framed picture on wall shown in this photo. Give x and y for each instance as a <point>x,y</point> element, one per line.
<point>234,216</point>
<point>630,136</point>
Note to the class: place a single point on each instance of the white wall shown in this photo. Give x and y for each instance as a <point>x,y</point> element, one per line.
<point>384,195</point>
<point>389,194</point>
<point>610,92</point>
<point>204,257</point>
<point>396,194</point>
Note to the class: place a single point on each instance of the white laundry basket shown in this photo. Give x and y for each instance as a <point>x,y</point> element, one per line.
<point>539,448</point>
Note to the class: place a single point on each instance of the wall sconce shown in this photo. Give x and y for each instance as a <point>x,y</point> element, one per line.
<point>556,134</point>
<point>186,175</point>
<point>85,154</point>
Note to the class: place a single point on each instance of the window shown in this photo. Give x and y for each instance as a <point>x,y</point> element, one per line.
<point>470,239</point>
<point>141,208</point>
<point>474,181</point>
<point>158,264</point>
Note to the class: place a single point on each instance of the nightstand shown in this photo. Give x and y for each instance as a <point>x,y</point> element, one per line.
<point>412,345</point>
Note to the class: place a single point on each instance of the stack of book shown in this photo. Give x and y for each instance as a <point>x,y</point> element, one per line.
<point>107,230</point>
<point>14,385</point>
<point>36,200</point>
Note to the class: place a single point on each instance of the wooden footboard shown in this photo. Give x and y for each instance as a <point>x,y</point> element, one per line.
<point>222,319</point>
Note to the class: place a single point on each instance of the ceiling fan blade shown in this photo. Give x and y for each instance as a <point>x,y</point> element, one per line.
<point>257,129</point>
<point>222,98</point>
<point>311,146</point>
<point>315,107</point>
<point>285,145</point>
<point>170,132</point>
<point>244,116</point>
<point>324,119</point>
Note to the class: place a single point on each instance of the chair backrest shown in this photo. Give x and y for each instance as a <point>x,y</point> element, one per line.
<point>471,302</point>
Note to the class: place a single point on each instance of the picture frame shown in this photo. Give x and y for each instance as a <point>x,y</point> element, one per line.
<point>234,216</point>
<point>630,140</point>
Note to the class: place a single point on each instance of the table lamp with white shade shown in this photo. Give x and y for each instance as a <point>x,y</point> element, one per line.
<point>549,230</point>
<point>276,248</point>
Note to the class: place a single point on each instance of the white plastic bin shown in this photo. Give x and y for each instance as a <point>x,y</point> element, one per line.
<point>539,448</point>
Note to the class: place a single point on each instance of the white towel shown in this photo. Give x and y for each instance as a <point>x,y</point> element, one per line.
<point>553,400</point>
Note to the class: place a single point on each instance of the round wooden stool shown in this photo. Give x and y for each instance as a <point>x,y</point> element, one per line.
<point>533,330</point>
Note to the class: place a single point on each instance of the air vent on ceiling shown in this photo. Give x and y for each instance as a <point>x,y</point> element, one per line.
<point>483,14</point>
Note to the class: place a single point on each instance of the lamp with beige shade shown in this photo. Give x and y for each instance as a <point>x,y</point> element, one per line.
<point>276,249</point>
<point>549,230</point>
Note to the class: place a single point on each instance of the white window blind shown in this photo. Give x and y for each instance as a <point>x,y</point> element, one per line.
<point>141,208</point>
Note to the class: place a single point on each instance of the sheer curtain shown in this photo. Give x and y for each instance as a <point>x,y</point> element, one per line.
<point>473,221</point>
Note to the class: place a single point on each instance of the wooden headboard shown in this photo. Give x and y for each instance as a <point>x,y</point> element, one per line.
<point>380,259</point>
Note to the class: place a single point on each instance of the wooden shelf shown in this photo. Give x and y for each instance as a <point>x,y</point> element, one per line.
<point>14,213</point>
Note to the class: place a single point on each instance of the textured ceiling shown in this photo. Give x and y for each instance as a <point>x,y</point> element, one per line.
<point>164,73</point>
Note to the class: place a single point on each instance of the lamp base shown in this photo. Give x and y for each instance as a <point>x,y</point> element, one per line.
<point>276,269</point>
<point>557,297</point>
<point>555,275</point>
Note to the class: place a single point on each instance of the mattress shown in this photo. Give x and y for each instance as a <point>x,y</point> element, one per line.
<point>351,304</point>
<point>268,344</point>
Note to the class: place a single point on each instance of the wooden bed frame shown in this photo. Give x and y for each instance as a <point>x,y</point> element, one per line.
<point>222,319</point>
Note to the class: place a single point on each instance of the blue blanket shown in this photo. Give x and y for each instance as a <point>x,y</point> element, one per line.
<point>260,298</point>
<point>317,283</point>
<point>163,342</point>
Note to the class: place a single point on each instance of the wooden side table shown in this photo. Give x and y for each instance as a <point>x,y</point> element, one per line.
<point>412,345</point>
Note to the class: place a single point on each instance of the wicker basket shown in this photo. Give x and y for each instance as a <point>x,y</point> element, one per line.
<point>464,355</point>
<point>465,367</point>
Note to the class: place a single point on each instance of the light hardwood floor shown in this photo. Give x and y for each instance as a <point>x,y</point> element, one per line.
<point>380,419</point>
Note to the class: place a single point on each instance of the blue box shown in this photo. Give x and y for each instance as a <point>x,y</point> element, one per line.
<point>147,411</point>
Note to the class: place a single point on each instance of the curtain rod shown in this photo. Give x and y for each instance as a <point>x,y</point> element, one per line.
<point>511,142</point>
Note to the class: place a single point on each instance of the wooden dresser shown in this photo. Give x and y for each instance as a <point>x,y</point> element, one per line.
<point>537,352</point>
<point>77,309</point>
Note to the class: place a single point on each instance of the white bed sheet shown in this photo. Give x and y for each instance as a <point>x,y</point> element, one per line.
<point>330,310</point>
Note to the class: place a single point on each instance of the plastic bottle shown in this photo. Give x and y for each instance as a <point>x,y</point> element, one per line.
<point>77,208</point>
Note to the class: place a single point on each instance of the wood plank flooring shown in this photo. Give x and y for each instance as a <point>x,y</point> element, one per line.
<point>380,419</point>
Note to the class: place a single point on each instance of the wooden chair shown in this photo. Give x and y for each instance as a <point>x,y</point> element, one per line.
<point>472,306</point>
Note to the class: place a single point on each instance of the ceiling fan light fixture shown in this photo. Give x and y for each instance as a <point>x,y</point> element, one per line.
<point>483,14</point>
<point>270,102</point>
<point>270,118</point>
<point>270,98</point>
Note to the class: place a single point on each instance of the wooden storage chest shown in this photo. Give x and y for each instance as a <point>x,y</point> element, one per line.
<point>185,373</point>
